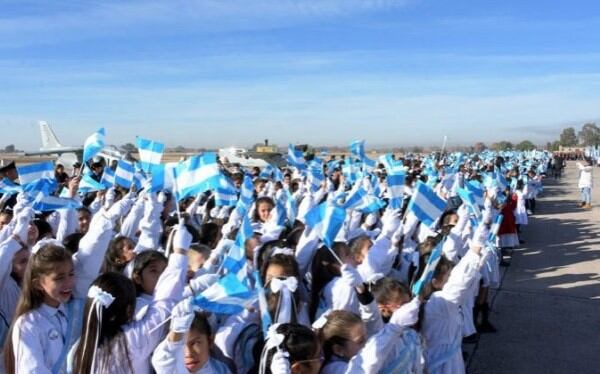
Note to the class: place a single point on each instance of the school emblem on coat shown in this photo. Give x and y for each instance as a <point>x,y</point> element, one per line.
<point>53,334</point>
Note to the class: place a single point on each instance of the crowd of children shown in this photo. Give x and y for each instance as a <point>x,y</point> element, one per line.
<point>112,286</point>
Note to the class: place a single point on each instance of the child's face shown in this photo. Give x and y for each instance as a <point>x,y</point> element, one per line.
<point>58,285</point>
<point>195,260</point>
<point>264,211</point>
<point>197,351</point>
<point>149,276</point>
<point>127,254</point>
<point>275,271</point>
<point>83,219</point>
<point>363,252</point>
<point>19,263</point>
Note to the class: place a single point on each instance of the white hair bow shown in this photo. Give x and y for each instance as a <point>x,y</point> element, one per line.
<point>100,296</point>
<point>291,283</point>
<point>44,242</point>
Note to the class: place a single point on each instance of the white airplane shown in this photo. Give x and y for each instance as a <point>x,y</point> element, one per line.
<point>67,156</point>
<point>234,155</point>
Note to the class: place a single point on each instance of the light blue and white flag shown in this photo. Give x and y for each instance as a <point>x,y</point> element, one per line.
<point>266,172</point>
<point>150,153</point>
<point>360,200</point>
<point>124,173</point>
<point>246,194</point>
<point>349,171</point>
<point>196,175</point>
<point>235,261</point>
<point>395,188</point>
<point>226,194</point>
<point>426,205</point>
<point>495,228</point>
<point>469,199</point>
<point>392,166</point>
<point>357,148</point>
<point>290,207</point>
<point>108,177</point>
<point>427,274</point>
<point>49,203</point>
<point>162,177</point>
<point>9,187</point>
<point>315,178</point>
<point>327,219</point>
<point>41,187</point>
<point>295,158</point>
<point>89,184</point>
<point>228,296</point>
<point>93,145</point>
<point>477,190</point>
<point>33,172</point>
<point>265,318</point>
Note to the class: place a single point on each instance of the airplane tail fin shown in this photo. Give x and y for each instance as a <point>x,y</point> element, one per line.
<point>49,139</point>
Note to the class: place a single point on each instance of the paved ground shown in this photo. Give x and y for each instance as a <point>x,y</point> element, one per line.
<point>547,309</point>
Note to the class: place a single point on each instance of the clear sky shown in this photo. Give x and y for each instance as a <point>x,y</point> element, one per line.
<point>224,72</point>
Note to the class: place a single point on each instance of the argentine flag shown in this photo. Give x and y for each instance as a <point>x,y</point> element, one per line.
<point>49,203</point>
<point>327,220</point>
<point>89,184</point>
<point>93,144</point>
<point>469,198</point>
<point>235,262</point>
<point>196,175</point>
<point>33,172</point>
<point>9,187</point>
<point>477,190</point>
<point>296,158</point>
<point>357,148</point>
<point>495,228</point>
<point>163,176</point>
<point>226,194</point>
<point>247,193</point>
<point>108,177</point>
<point>395,183</point>
<point>150,153</point>
<point>426,205</point>
<point>427,275</point>
<point>228,296</point>
<point>124,173</point>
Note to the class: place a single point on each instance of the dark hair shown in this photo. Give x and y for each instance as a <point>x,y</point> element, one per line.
<point>43,227</point>
<point>290,265</point>
<point>141,261</point>
<point>71,242</point>
<point>112,259</point>
<point>324,268</point>
<point>209,234</point>
<point>111,336</point>
<point>200,324</point>
<point>41,263</point>
<point>300,342</point>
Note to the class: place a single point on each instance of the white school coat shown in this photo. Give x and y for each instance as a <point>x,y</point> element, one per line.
<point>442,324</point>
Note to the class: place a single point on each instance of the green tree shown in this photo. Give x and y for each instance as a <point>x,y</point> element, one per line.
<point>589,134</point>
<point>525,145</point>
<point>502,146</point>
<point>10,148</point>
<point>479,147</point>
<point>568,138</point>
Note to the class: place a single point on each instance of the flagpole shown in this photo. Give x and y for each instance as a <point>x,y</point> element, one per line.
<point>444,144</point>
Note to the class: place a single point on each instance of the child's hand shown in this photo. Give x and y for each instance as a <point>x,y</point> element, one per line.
<point>280,364</point>
<point>182,316</point>
<point>350,276</point>
<point>22,227</point>
<point>182,238</point>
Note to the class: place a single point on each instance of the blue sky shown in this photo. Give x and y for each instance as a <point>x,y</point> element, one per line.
<point>215,73</point>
